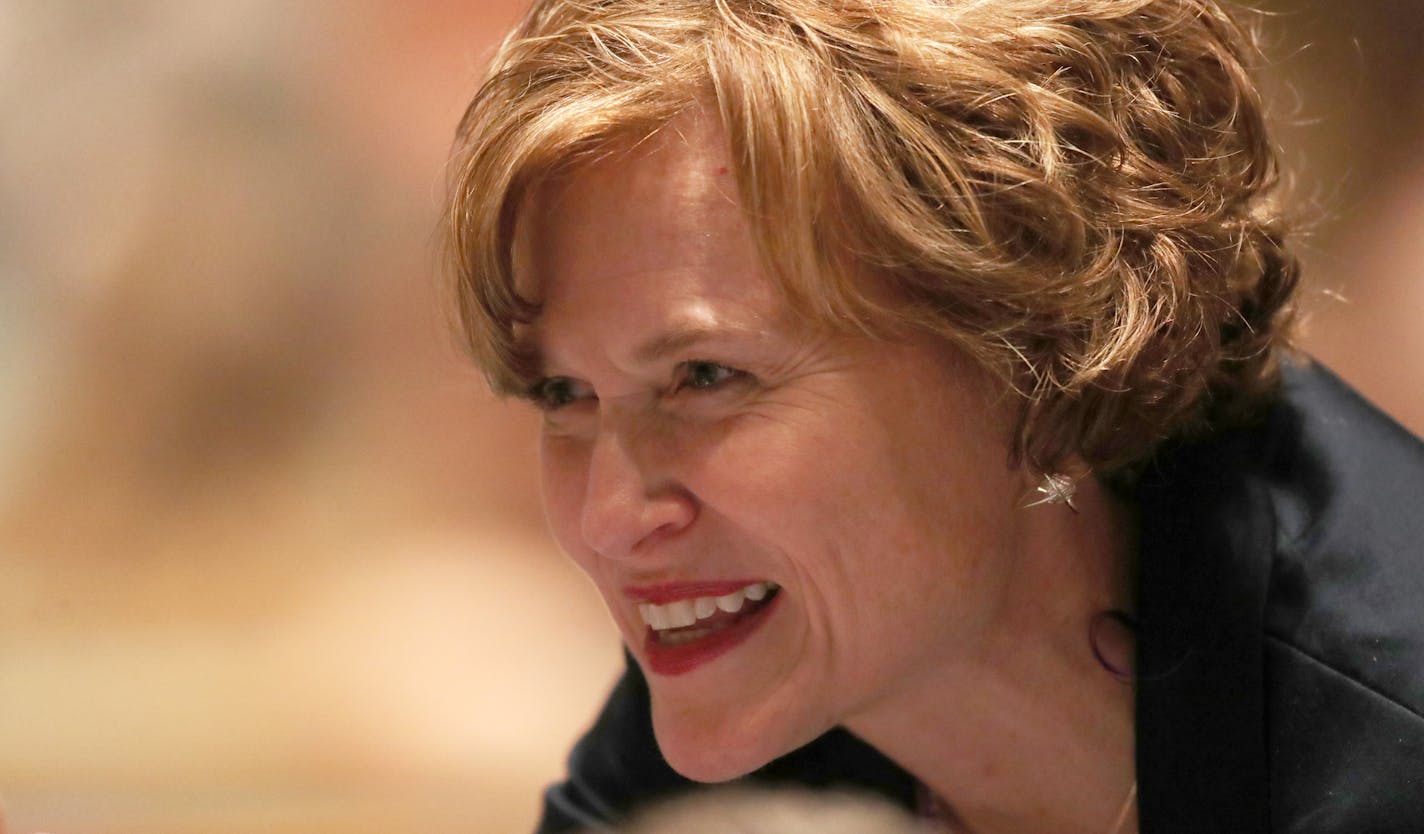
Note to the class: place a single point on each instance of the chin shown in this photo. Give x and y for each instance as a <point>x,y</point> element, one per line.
<point>708,761</point>
<point>709,770</point>
<point>705,746</point>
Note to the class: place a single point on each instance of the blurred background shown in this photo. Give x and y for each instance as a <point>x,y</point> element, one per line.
<point>271,559</point>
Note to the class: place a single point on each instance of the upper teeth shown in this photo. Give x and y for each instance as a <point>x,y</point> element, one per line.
<point>685,612</point>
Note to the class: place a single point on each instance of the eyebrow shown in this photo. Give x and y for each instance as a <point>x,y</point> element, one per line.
<point>658,347</point>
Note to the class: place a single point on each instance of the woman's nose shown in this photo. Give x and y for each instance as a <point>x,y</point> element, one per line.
<point>628,502</point>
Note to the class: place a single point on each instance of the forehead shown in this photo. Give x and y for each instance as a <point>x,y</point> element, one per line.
<point>655,229</point>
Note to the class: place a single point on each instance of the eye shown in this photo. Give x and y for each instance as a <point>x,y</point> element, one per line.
<point>555,392</point>
<point>701,375</point>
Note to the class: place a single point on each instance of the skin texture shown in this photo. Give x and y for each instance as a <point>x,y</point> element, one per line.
<point>696,429</point>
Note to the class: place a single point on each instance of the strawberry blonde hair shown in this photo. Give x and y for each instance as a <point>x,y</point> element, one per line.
<point>1074,193</point>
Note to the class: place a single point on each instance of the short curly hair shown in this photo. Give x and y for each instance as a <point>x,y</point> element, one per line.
<point>1075,193</point>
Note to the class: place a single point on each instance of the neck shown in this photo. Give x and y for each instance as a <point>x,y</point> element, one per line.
<point>1029,732</point>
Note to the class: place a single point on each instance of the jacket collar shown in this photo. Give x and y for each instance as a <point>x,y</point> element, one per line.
<point>1207,529</point>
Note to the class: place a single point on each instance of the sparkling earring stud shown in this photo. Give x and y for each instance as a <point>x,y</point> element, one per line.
<point>1056,489</point>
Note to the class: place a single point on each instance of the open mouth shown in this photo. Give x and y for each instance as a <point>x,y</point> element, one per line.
<point>686,633</point>
<point>675,623</point>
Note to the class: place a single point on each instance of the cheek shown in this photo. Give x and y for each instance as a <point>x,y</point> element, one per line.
<point>895,510</point>
<point>801,472</point>
<point>563,471</point>
<point>760,472</point>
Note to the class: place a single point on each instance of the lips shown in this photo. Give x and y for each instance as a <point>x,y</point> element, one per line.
<point>692,624</point>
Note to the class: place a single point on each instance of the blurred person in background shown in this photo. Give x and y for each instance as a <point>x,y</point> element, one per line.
<point>918,393</point>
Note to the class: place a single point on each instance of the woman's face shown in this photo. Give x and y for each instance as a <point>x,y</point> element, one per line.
<point>701,442</point>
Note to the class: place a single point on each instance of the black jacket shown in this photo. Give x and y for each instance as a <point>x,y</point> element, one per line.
<point>1280,647</point>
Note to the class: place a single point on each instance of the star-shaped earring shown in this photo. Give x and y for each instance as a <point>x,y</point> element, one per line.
<point>1056,489</point>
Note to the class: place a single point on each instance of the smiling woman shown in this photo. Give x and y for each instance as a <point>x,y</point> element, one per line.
<point>820,302</point>
<point>701,438</point>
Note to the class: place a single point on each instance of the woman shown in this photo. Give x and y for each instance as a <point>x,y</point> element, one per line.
<point>912,389</point>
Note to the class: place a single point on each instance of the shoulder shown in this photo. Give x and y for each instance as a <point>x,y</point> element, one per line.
<point>1281,657</point>
<point>1346,486</point>
<point>1344,617</point>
